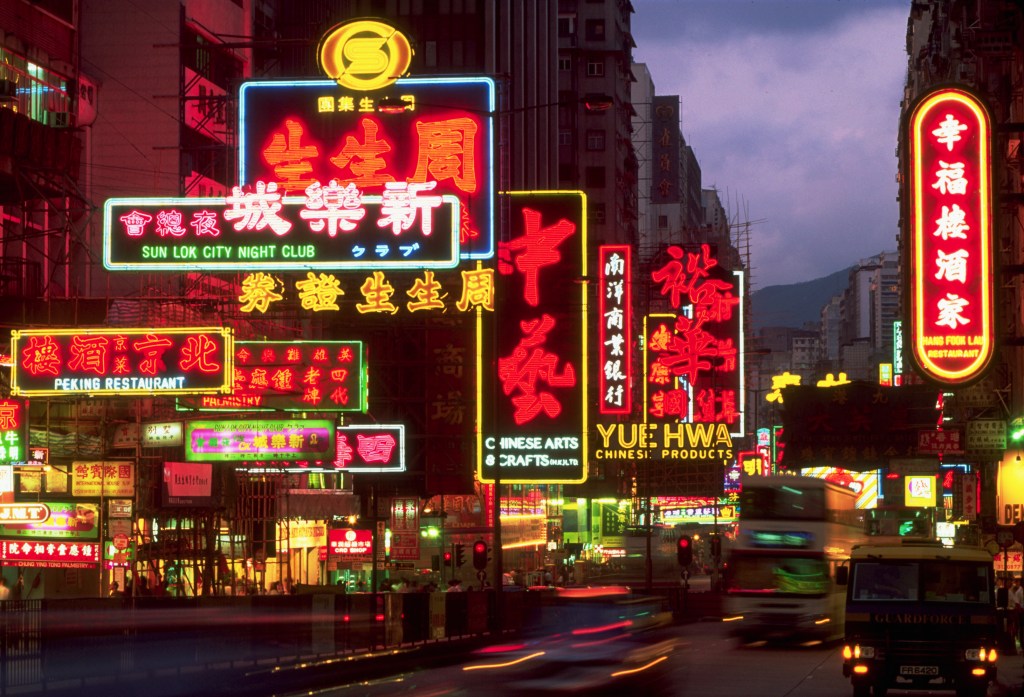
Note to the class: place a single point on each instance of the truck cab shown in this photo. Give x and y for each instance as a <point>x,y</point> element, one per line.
<point>919,616</point>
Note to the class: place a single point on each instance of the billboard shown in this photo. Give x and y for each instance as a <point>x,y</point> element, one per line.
<point>13,431</point>
<point>257,439</point>
<point>121,361</point>
<point>532,408</point>
<point>187,485</point>
<point>949,195</point>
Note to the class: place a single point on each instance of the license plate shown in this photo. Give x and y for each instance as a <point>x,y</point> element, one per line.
<point>919,670</point>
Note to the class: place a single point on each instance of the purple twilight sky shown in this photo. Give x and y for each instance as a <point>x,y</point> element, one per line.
<point>792,108</point>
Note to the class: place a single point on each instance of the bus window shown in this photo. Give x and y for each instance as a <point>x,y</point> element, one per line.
<point>779,575</point>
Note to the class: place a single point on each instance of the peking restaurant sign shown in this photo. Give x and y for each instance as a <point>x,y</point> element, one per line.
<point>106,361</point>
<point>949,192</point>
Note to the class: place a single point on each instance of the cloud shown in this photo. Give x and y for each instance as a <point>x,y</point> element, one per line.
<point>795,124</point>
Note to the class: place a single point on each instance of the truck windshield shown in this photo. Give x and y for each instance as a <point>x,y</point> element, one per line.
<point>930,581</point>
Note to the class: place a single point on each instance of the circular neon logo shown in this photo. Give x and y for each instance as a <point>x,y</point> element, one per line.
<point>364,54</point>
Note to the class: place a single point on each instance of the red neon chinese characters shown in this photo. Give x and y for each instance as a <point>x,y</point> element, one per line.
<point>9,413</point>
<point>197,353</point>
<point>447,152</point>
<point>530,365</point>
<point>345,453</point>
<point>364,159</point>
<point>152,349</point>
<point>539,248</point>
<point>169,223</point>
<point>89,354</point>
<point>41,356</point>
<point>375,448</point>
<point>289,158</point>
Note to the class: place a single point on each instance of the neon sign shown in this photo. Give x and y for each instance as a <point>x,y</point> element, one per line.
<point>702,348</point>
<point>64,520</point>
<point>331,227</point>
<point>364,54</point>
<point>532,411</point>
<point>950,221</point>
<point>295,133</point>
<point>259,440</point>
<point>109,361</point>
<point>316,376</point>
<point>615,317</point>
<point>349,542</point>
<point>13,431</point>
<point>370,448</point>
<point>51,555</point>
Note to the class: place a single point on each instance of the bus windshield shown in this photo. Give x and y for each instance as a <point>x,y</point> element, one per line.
<point>782,503</point>
<point>931,581</point>
<point>780,575</point>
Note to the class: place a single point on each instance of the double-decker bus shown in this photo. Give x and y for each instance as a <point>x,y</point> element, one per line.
<point>781,576</point>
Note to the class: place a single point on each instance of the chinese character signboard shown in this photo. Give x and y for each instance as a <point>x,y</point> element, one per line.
<point>405,529</point>
<point>950,231</point>
<point>262,229</point>
<point>681,442</point>
<point>665,156</point>
<point>105,361</point>
<point>701,349</point>
<point>187,484</point>
<point>112,478</point>
<point>332,147</point>
<point>55,554</point>
<point>261,440</point>
<point>532,409</point>
<point>370,448</point>
<point>293,376</point>
<point>13,431</point>
<point>350,543</point>
<point>615,317</point>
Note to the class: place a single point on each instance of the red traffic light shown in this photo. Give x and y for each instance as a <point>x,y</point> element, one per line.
<point>684,551</point>
<point>480,557</point>
<point>447,557</point>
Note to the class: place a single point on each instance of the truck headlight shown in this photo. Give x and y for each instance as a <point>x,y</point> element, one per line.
<point>858,651</point>
<point>981,654</point>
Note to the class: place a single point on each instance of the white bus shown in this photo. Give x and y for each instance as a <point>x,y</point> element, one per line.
<point>781,575</point>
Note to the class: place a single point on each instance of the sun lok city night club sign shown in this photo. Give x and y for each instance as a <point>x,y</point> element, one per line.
<point>950,231</point>
<point>115,361</point>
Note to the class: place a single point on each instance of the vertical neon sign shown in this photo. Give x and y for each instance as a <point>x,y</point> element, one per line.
<point>615,319</point>
<point>950,220</point>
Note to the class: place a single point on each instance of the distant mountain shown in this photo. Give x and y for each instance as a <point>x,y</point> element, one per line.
<point>795,304</point>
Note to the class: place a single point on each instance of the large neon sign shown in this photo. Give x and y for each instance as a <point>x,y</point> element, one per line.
<point>315,376</point>
<point>364,54</point>
<point>331,227</point>
<point>532,411</point>
<point>115,361</point>
<point>295,133</point>
<point>950,221</point>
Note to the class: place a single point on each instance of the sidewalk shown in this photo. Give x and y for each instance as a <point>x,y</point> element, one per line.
<point>1009,677</point>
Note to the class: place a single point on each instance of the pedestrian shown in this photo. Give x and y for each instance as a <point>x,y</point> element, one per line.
<point>1014,607</point>
<point>361,587</point>
<point>455,586</point>
<point>5,592</point>
<point>19,588</point>
<point>115,591</point>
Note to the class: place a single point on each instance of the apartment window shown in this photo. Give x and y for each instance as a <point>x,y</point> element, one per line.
<point>565,64</point>
<point>566,26</point>
<point>663,222</point>
<point>457,54</point>
<point>595,69</point>
<point>595,29</point>
<point>566,172</point>
<point>595,140</point>
<point>565,137</point>
<point>597,213</point>
<point>430,54</point>
<point>594,178</point>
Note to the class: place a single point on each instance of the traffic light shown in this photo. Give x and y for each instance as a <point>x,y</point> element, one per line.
<point>480,555</point>
<point>684,551</point>
<point>460,555</point>
<point>716,546</point>
<point>448,559</point>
